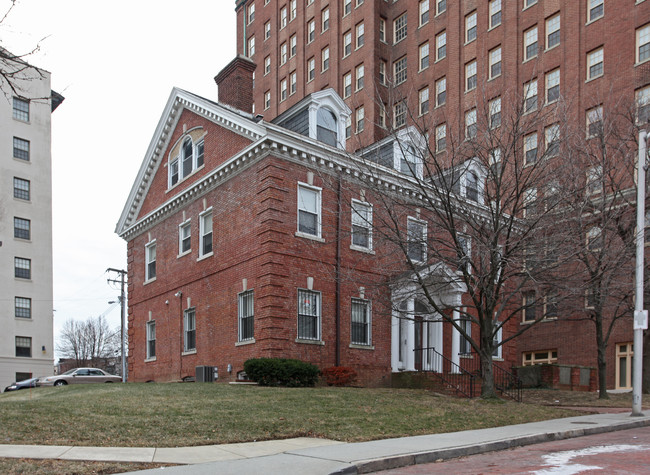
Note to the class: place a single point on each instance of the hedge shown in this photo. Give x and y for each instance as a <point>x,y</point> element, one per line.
<point>281,372</point>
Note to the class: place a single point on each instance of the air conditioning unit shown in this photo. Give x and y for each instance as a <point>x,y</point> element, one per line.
<point>204,374</point>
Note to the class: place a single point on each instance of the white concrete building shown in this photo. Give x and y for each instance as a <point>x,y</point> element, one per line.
<point>26,315</point>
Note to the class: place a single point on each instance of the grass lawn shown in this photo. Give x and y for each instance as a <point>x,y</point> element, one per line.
<point>170,415</point>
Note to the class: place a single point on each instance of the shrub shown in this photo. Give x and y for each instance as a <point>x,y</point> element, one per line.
<point>339,376</point>
<point>281,372</point>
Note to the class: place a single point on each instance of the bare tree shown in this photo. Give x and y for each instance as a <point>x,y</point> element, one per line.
<point>89,342</point>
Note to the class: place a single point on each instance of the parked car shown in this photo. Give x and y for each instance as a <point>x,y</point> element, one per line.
<point>24,384</point>
<point>80,376</point>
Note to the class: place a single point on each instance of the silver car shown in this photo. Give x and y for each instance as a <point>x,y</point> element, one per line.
<point>79,376</point>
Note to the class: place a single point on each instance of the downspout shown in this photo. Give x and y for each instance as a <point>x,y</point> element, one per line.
<point>179,294</point>
<point>338,274</point>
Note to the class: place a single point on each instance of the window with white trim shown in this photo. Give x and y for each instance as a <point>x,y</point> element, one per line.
<point>424,56</point>
<point>360,322</point>
<point>530,43</point>
<point>643,105</point>
<point>283,89</point>
<point>251,13</point>
<point>190,159</point>
<point>184,238</point>
<point>441,91</point>
<point>294,9</point>
<point>416,240</point>
<point>643,44</point>
<point>189,330</point>
<point>347,85</point>
<point>399,114</point>
<point>311,30</point>
<point>539,357</point>
<point>553,86</point>
<point>347,43</point>
<point>424,11</point>
<point>441,46</point>
<point>495,13</point>
<point>495,112</point>
<point>360,115</point>
<point>205,233</point>
<point>361,224</point>
<point>530,148</point>
<point>293,46</point>
<point>382,30</point>
<point>267,65</point>
<point>361,35</point>
<point>465,323</point>
<point>470,27</point>
<point>530,96</point>
<point>251,46</point>
<point>441,138</point>
<point>470,76</point>
<point>423,96</point>
<point>529,3</point>
<point>267,100</point>
<point>399,28</point>
<point>552,138</point>
<point>470,124</point>
<point>246,315</point>
<point>347,7</point>
<point>553,31</point>
<point>311,69</point>
<point>325,19</point>
<point>151,339</point>
<point>293,83</point>
<point>594,181</point>
<point>309,210</point>
<point>267,30</point>
<point>360,75</point>
<point>441,6</point>
<point>325,59</point>
<point>283,53</point>
<point>309,315</point>
<point>495,62</point>
<point>399,70</point>
<point>283,17</point>
<point>150,261</point>
<point>596,9</point>
<point>529,311</point>
<point>464,241</point>
<point>594,121</point>
<point>595,64</point>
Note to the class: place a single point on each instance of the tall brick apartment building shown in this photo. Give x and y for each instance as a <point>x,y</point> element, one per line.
<point>237,238</point>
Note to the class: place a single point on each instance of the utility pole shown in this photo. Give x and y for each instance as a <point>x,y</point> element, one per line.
<point>122,274</point>
<point>640,315</point>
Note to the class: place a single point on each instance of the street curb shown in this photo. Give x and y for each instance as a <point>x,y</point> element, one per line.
<point>370,466</point>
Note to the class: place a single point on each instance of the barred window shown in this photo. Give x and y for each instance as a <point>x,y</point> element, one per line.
<point>360,331</point>
<point>308,315</point>
<point>246,315</point>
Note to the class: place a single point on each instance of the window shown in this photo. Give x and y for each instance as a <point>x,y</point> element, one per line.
<point>382,116</point>
<point>441,6</point>
<point>190,159</point>
<point>184,238</point>
<point>550,304</point>
<point>360,35</point>
<point>205,234</point>
<point>189,330</point>
<point>595,64</point>
<point>283,89</point>
<point>360,71</point>
<point>399,28</point>
<point>530,307</point>
<point>495,62</point>
<point>553,31</point>
<point>643,105</point>
<point>347,85</point>
<point>399,115</point>
<point>495,161</point>
<point>294,8</point>
<point>293,81</point>
<point>530,43</point>
<point>530,96</point>
<point>416,240</point>
<point>22,268</point>
<point>530,148</point>
<point>347,43</point>
<point>540,357</point>
<point>441,91</point>
<point>464,242</point>
<point>643,44</point>
<point>21,109</point>
<point>424,56</point>
<point>22,228</point>
<point>360,115</point>
<point>495,13</point>
<point>594,180</point>
<point>530,209</point>
<point>471,186</point>
<point>246,315</point>
<point>470,124</point>
<point>267,65</point>
<point>382,30</point>
<point>311,30</point>
<point>309,209</point>
<point>251,46</point>
<point>399,70</point>
<point>424,100</point>
<point>596,9</point>
<point>267,30</point>
<point>325,19</point>
<point>382,72</point>
<point>150,261</point>
<point>424,12</point>
<point>186,157</point>
<point>326,127</point>
<point>151,339</point>
<point>325,58</point>
<point>308,315</point>
<point>283,17</point>
<point>21,149</point>
<point>311,69</point>
<point>348,127</point>
<point>293,46</point>
<point>267,100</point>
<point>360,322</point>
<point>595,239</point>
<point>470,27</point>
<point>465,323</point>
<point>594,121</point>
<point>283,53</point>
<point>552,136</point>
<point>23,307</point>
<point>495,113</point>
<point>409,161</point>
<point>441,46</point>
<point>361,225</point>
<point>529,3</point>
<point>251,13</point>
<point>553,86</point>
<point>21,189</point>
<point>441,138</point>
<point>470,76</point>
<point>347,7</point>
<point>23,346</point>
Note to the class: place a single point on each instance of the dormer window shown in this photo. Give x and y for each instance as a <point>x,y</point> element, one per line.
<point>471,186</point>
<point>188,157</point>
<point>471,182</point>
<point>326,127</point>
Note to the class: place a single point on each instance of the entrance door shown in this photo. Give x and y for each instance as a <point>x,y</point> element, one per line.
<point>624,354</point>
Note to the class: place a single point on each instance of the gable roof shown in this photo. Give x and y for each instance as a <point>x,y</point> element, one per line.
<point>179,100</point>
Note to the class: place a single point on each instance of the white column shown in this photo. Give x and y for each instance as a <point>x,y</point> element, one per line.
<point>410,337</point>
<point>455,340</point>
<point>394,341</point>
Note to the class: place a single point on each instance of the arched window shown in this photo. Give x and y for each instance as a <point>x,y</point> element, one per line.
<point>326,127</point>
<point>187,156</point>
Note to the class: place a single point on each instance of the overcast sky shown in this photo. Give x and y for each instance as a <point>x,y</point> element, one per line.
<point>116,63</point>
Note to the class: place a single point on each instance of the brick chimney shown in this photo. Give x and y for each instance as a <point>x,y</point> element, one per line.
<point>235,83</point>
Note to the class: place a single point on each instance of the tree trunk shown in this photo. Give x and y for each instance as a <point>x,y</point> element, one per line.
<point>488,389</point>
<point>602,371</point>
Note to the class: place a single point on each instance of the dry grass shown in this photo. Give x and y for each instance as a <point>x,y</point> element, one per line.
<point>68,467</point>
<point>553,397</point>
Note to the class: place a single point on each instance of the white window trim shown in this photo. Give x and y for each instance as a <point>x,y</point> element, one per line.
<point>319,208</point>
<point>180,238</point>
<point>424,238</point>
<point>367,225</point>
<point>147,326</point>
<point>368,305</point>
<point>201,232</point>
<point>319,339</point>
<point>147,247</point>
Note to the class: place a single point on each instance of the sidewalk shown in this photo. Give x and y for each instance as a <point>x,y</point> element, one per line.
<point>319,456</point>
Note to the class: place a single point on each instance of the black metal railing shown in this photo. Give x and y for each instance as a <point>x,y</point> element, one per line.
<point>450,373</point>
<point>505,382</point>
